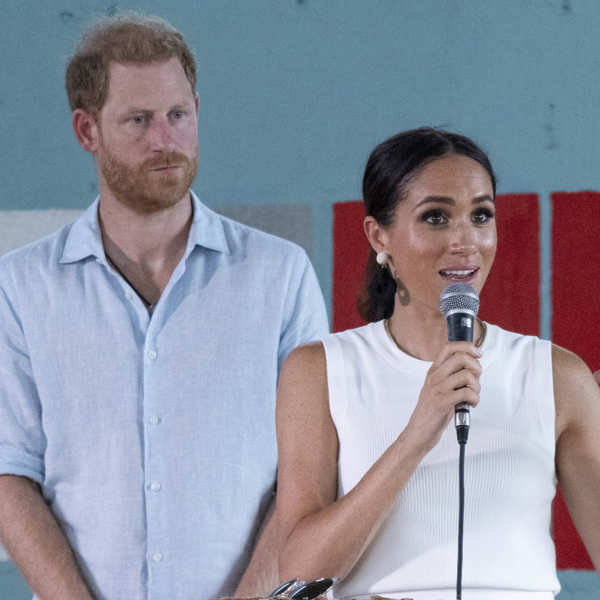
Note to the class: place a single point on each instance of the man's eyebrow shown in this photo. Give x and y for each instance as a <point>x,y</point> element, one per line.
<point>138,109</point>
<point>450,201</point>
<point>135,109</point>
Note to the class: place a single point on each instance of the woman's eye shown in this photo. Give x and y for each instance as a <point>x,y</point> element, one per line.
<point>434,217</point>
<point>482,216</point>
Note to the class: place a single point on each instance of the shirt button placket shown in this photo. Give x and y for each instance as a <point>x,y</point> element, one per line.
<point>153,486</point>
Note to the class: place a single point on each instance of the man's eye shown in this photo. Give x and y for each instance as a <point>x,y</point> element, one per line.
<point>139,119</point>
<point>434,217</point>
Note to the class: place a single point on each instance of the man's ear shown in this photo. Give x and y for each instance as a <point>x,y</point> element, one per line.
<point>376,234</point>
<point>85,127</point>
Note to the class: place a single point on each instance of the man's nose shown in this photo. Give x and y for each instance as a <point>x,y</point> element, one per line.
<point>161,135</point>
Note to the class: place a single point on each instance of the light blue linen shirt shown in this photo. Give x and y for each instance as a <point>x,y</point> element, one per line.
<point>153,437</point>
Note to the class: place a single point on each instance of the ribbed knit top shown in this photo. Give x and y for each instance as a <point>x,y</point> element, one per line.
<point>509,471</point>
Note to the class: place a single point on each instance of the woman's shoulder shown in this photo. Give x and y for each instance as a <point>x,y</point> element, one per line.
<point>524,348</point>
<point>316,351</point>
<point>576,392</point>
<point>571,373</point>
<point>311,359</point>
<point>356,335</point>
<point>305,356</point>
<point>498,334</point>
<point>306,353</point>
<point>302,386</point>
<point>567,363</point>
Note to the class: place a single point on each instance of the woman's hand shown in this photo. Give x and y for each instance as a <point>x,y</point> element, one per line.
<point>453,378</point>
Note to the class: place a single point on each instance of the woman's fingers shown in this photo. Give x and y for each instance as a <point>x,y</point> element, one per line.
<point>455,360</point>
<point>457,348</point>
<point>465,394</point>
<point>452,379</point>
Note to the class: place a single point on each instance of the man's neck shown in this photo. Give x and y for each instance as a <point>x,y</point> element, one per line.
<point>145,248</point>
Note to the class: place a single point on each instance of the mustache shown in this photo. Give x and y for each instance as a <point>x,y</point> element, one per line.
<point>167,159</point>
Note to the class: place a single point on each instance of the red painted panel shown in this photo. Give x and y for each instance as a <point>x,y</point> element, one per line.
<point>575,311</point>
<point>350,252</point>
<point>511,295</point>
<point>575,272</point>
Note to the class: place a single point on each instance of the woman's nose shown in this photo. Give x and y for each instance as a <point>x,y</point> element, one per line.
<point>463,238</point>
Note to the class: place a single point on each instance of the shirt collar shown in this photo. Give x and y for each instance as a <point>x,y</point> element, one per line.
<point>85,239</point>
<point>207,228</point>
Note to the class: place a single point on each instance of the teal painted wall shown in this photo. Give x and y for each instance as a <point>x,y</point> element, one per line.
<point>295,93</point>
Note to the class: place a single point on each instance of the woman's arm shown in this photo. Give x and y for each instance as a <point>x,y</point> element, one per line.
<point>577,398</point>
<point>319,535</point>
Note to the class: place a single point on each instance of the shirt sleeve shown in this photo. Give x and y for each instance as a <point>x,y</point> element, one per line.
<point>306,316</point>
<point>22,441</point>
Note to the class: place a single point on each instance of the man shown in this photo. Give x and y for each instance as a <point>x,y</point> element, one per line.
<point>139,353</point>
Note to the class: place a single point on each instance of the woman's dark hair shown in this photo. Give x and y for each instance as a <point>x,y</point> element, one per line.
<point>393,164</point>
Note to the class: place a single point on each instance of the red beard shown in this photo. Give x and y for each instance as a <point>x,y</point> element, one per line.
<point>144,189</point>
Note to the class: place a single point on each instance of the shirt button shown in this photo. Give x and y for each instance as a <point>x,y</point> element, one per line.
<point>155,486</point>
<point>152,354</point>
<point>154,420</point>
<point>157,557</point>
<point>129,296</point>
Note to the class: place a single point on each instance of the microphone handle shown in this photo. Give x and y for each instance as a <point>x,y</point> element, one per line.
<point>460,329</point>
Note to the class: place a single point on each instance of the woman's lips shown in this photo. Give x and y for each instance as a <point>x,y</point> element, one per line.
<point>459,273</point>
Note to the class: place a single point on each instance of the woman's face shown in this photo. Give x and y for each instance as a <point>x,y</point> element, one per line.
<point>444,230</point>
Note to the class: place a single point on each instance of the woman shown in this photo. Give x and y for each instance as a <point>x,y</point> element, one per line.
<point>367,488</point>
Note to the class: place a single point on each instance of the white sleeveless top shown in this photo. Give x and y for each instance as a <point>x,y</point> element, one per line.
<point>509,471</point>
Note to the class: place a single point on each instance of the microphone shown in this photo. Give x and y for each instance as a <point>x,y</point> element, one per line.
<point>459,303</point>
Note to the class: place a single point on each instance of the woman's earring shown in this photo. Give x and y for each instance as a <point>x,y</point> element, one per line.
<point>402,293</point>
<point>382,258</point>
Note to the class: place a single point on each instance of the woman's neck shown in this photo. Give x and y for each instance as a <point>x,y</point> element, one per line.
<point>421,332</point>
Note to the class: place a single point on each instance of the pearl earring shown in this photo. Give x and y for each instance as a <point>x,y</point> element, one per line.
<point>382,258</point>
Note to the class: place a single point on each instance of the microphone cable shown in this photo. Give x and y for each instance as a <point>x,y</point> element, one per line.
<point>459,304</point>
<point>461,516</point>
<point>462,418</point>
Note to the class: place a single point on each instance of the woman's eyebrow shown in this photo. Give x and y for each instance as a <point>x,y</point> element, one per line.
<point>451,202</point>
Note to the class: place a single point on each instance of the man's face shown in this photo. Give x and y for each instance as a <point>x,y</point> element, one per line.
<point>147,152</point>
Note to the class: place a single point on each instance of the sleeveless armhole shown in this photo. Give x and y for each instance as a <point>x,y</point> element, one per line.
<point>336,378</point>
<point>542,388</point>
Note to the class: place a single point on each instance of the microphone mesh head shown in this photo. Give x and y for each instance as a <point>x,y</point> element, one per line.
<point>459,297</point>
